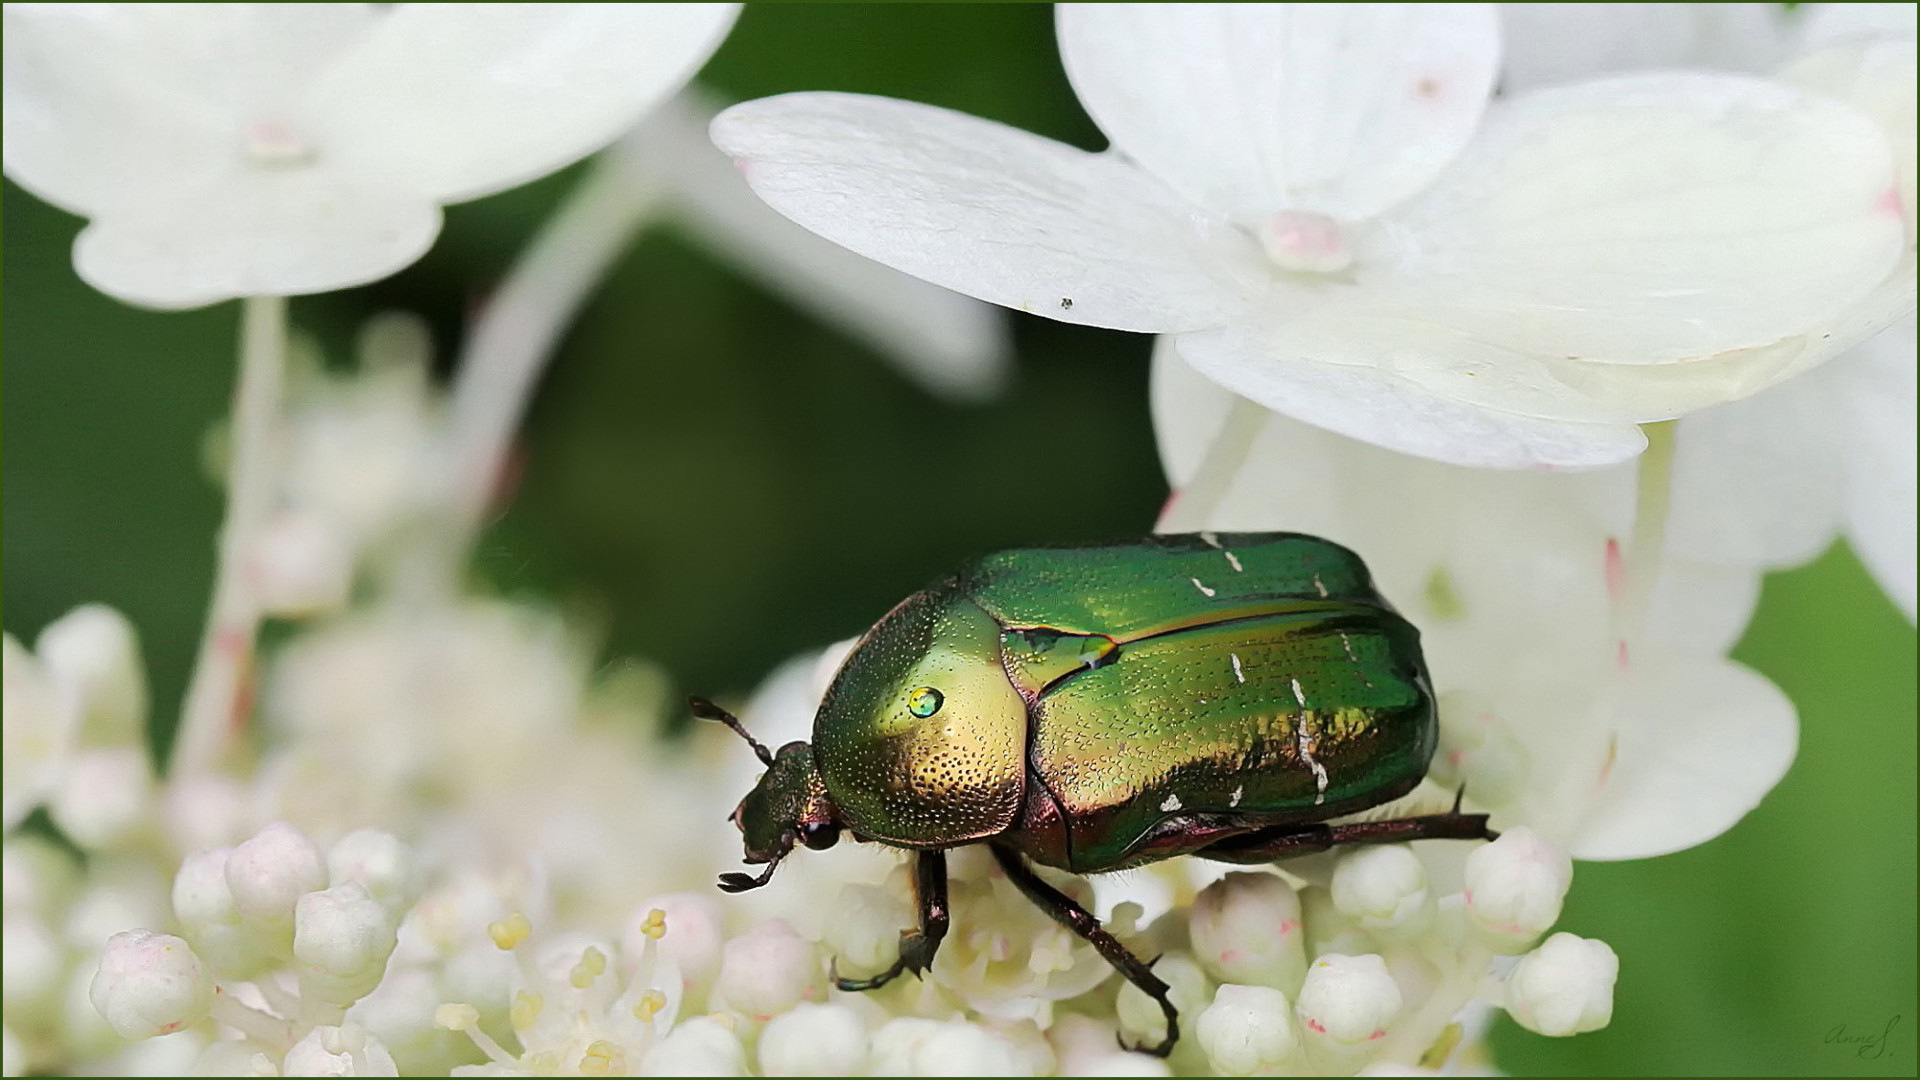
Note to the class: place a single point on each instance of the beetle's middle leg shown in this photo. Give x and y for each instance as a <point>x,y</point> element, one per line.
<point>1080,921</point>
<point>916,946</point>
<point>1286,841</point>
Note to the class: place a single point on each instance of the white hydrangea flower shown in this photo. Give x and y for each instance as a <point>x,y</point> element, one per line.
<point>1414,274</point>
<point>1769,481</point>
<point>76,725</point>
<point>1625,748</point>
<point>247,150</point>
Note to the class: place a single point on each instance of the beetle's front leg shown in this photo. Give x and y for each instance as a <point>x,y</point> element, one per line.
<point>1080,921</point>
<point>916,946</point>
<point>1287,841</point>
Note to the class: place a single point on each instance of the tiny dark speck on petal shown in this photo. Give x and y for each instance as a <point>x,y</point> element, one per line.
<point>1066,303</point>
<point>1428,87</point>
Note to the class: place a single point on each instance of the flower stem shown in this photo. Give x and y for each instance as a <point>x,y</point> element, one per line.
<point>1192,506</point>
<point>1647,546</point>
<point>215,707</point>
<point>269,1031</point>
<point>522,323</point>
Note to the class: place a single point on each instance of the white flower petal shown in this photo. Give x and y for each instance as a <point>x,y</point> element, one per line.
<point>255,233</point>
<point>1343,109</point>
<point>1875,76</point>
<point>1759,482</point>
<point>1387,409</point>
<point>1559,43</point>
<point>1880,492</point>
<point>992,211</point>
<point>106,103</point>
<point>1633,249</point>
<point>1699,743</point>
<point>950,344</point>
<point>461,100</point>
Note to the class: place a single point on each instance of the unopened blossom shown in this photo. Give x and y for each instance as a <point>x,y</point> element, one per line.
<point>1564,987</point>
<point>912,1046</point>
<point>1383,886</point>
<point>1246,928</point>
<point>269,873</point>
<point>768,971</point>
<point>342,938</point>
<point>1418,274</point>
<point>150,984</point>
<point>248,150</point>
<point>1142,1023</point>
<point>1348,999</point>
<point>814,1040</point>
<point>1515,885</point>
<point>1247,1029</point>
<point>81,693</point>
<point>703,1046</point>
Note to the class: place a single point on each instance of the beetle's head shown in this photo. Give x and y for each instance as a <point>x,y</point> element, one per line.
<point>789,804</point>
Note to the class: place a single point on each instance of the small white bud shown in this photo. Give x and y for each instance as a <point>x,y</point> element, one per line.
<point>105,796</point>
<point>302,564</point>
<point>958,1048</point>
<point>1515,885</point>
<point>1348,999</point>
<point>1247,1029</point>
<point>702,1046</point>
<point>271,872</point>
<point>379,862</point>
<point>200,893</point>
<point>1564,987</point>
<point>149,984</point>
<point>93,651</point>
<point>1142,1023</point>
<point>1383,886</point>
<point>768,970</point>
<point>341,939</point>
<point>864,934</point>
<point>1246,929</point>
<point>1083,1046</point>
<point>894,1044</point>
<point>339,1051</point>
<point>693,938</point>
<point>814,1040</point>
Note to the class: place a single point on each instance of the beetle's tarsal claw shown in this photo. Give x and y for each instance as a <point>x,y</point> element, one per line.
<point>1458,797</point>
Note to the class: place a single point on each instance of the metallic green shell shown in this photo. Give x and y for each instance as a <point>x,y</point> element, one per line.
<point>934,781</point>
<point>1157,690</point>
<point>1252,678</point>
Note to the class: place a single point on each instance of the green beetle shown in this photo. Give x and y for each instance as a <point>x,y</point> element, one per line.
<point>1095,708</point>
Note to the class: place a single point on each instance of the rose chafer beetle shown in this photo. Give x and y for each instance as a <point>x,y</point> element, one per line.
<point>1094,708</point>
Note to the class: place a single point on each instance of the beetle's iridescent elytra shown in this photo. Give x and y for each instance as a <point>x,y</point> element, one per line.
<point>1093,708</point>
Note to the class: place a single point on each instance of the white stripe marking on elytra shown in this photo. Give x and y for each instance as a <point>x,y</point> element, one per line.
<point>1235,560</point>
<point>1171,804</point>
<point>1239,675</point>
<point>1299,695</point>
<point>1318,584</point>
<point>1237,792</point>
<point>1212,539</point>
<point>1202,588</point>
<point>1303,742</point>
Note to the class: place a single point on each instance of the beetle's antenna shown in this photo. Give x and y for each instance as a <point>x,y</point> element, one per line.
<point>707,710</point>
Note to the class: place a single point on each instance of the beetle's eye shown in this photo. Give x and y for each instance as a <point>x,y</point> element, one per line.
<point>819,835</point>
<point>925,701</point>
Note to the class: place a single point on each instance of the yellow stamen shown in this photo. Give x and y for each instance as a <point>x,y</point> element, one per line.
<point>525,1010</point>
<point>592,963</point>
<point>655,925</point>
<point>649,1005</point>
<point>456,1016</point>
<point>603,1059</point>
<point>510,931</point>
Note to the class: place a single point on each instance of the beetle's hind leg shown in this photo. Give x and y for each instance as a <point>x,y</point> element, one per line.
<point>1077,919</point>
<point>1286,841</point>
<point>916,946</point>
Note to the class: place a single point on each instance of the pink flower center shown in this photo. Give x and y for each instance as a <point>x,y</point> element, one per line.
<point>1305,241</point>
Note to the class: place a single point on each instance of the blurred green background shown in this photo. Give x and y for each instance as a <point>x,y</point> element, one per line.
<point>720,483</point>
